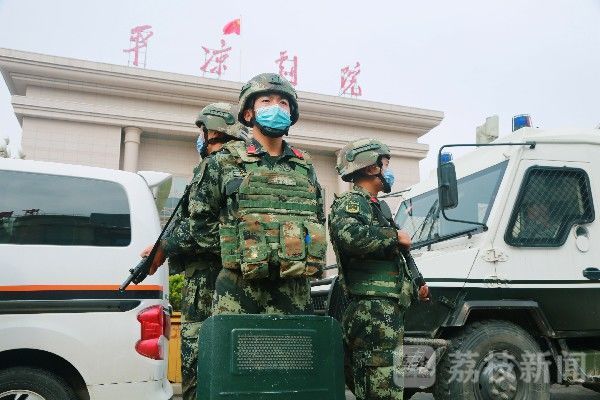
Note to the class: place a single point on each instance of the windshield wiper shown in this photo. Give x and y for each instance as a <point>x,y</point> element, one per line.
<point>434,220</point>
<point>430,213</point>
<point>395,194</point>
<point>438,239</point>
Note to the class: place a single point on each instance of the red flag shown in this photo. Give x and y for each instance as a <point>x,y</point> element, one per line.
<point>232,27</point>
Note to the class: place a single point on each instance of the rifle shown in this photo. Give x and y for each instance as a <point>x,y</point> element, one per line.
<point>141,270</point>
<point>416,277</point>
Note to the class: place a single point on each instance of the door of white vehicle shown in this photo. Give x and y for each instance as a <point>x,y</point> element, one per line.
<point>546,240</point>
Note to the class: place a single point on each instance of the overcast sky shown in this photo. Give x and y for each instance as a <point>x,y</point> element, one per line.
<point>467,58</point>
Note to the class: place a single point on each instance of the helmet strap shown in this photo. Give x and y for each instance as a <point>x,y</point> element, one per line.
<point>204,150</point>
<point>386,186</point>
<point>222,139</point>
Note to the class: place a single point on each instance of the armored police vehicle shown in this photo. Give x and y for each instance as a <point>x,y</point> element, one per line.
<point>505,239</point>
<point>68,235</point>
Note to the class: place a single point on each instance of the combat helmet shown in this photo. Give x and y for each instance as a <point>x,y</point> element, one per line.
<point>358,155</point>
<point>267,83</point>
<point>220,117</point>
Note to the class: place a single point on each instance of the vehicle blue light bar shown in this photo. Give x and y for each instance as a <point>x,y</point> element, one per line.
<point>445,158</point>
<point>521,121</point>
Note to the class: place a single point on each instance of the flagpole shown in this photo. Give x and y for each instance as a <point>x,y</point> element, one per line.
<point>241,43</point>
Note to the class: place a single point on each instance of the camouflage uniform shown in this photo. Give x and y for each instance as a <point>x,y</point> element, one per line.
<point>254,279</point>
<point>200,267</point>
<point>373,274</point>
<point>264,215</point>
<point>200,273</point>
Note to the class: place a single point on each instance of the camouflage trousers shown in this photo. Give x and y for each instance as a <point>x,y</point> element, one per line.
<point>373,333</point>
<point>196,302</point>
<point>235,295</point>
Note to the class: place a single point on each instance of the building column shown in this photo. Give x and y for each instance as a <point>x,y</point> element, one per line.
<point>131,149</point>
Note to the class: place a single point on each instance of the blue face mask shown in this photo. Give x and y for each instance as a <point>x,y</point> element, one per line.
<point>200,144</point>
<point>275,120</point>
<point>388,180</point>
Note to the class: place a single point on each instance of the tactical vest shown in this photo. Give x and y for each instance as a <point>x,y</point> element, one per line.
<point>274,219</point>
<point>372,274</point>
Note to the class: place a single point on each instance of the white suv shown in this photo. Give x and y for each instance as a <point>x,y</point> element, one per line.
<point>68,235</point>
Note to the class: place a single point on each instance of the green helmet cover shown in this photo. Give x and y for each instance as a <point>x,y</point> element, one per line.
<point>220,117</point>
<point>360,154</point>
<point>263,84</point>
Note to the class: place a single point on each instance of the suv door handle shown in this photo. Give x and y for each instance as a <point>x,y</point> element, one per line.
<point>592,273</point>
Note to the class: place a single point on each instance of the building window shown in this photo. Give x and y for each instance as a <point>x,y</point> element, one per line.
<point>551,200</point>
<point>43,209</point>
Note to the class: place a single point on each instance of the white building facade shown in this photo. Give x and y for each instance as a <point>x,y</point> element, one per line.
<point>118,117</point>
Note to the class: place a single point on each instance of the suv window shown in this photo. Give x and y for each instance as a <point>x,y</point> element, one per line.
<point>62,210</point>
<point>551,200</point>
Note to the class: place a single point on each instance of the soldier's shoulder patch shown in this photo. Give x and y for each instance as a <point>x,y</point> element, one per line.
<point>298,153</point>
<point>353,207</point>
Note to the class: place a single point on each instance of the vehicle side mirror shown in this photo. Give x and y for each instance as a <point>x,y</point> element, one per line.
<point>447,186</point>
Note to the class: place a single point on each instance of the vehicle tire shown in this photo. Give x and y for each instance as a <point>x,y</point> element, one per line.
<point>498,354</point>
<point>25,383</point>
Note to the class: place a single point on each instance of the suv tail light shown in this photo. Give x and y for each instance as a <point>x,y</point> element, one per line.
<point>155,329</point>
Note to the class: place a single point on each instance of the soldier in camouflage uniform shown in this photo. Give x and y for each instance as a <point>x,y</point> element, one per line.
<point>219,126</point>
<point>259,205</point>
<point>538,226</point>
<point>372,271</point>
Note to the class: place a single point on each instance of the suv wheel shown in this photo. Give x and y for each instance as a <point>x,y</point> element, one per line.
<point>493,360</point>
<point>22,383</point>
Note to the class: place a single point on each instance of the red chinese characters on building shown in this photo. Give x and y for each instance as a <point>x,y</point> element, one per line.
<point>348,82</point>
<point>214,59</point>
<point>288,67</point>
<point>138,38</point>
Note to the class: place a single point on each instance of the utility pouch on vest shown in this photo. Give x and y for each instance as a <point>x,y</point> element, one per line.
<point>302,249</point>
<point>255,251</point>
<point>230,252</point>
<point>292,250</point>
<point>316,248</point>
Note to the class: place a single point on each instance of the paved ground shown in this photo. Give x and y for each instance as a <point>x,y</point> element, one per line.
<point>558,393</point>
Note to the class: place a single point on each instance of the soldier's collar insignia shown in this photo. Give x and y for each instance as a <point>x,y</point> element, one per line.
<point>374,199</point>
<point>251,149</point>
<point>352,207</point>
<point>298,153</point>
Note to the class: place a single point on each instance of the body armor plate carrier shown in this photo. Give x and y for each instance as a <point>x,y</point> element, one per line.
<point>376,275</point>
<point>274,220</point>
